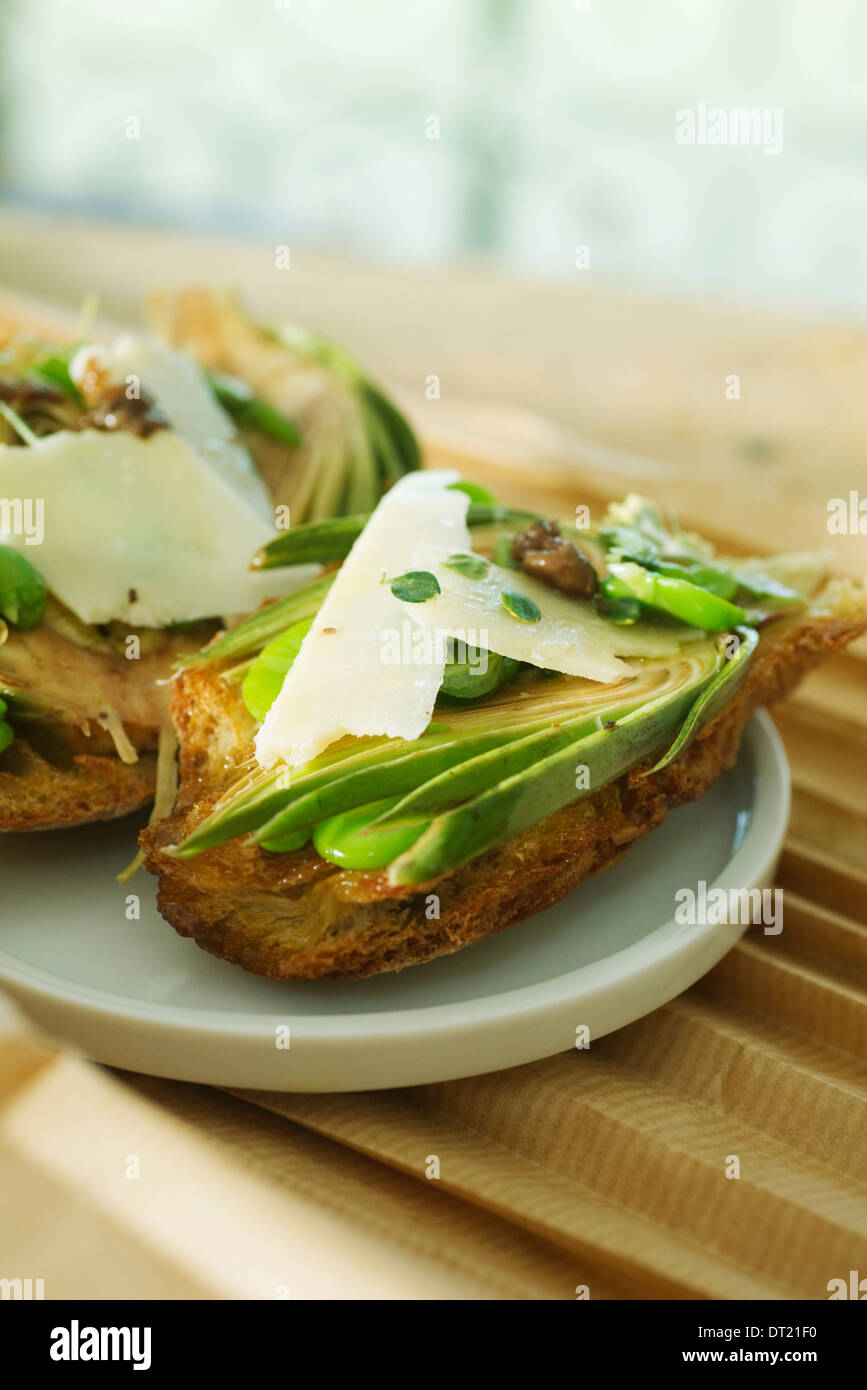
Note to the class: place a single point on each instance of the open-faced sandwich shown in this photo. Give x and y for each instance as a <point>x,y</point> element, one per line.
<point>466,714</point>
<point>137,475</point>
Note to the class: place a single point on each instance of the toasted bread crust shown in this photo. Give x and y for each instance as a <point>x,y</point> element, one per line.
<point>63,768</point>
<point>39,795</point>
<point>296,916</point>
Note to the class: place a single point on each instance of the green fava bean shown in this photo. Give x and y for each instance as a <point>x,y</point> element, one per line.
<point>477,674</point>
<point>285,844</point>
<point>348,839</point>
<point>264,680</point>
<point>22,589</point>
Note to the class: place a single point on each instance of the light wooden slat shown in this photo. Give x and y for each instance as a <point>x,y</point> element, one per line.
<point>824,877</point>
<point>828,938</point>
<point>822,823</point>
<point>835,697</point>
<point>770,1077</point>
<point>769,980</point>
<point>490,1173</point>
<point>824,763</point>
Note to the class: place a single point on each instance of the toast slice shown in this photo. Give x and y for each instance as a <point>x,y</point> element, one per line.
<point>294,915</point>
<point>87,725</point>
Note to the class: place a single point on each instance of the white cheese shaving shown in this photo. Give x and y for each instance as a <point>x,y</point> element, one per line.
<point>176,384</point>
<point>140,530</point>
<point>345,679</point>
<point>570,636</point>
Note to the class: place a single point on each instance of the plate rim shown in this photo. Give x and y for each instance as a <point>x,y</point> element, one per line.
<point>750,863</point>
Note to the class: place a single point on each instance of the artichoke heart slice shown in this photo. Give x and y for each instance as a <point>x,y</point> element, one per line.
<point>533,730</point>
<point>550,772</point>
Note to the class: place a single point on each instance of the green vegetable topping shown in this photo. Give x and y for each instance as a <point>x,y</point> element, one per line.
<point>716,581</point>
<point>475,492</point>
<point>332,539</point>
<point>263,625</point>
<point>636,533</point>
<point>618,606</point>
<point>678,597</point>
<point>251,411</point>
<point>471,566</point>
<point>264,680</point>
<point>21,429</point>
<point>54,371</point>
<point>503,553</point>
<point>22,589</point>
<point>760,586</point>
<point>715,694</point>
<point>7,733</point>
<point>416,586</point>
<point>477,674</point>
<point>285,844</point>
<point>349,840</point>
<point>520,606</point>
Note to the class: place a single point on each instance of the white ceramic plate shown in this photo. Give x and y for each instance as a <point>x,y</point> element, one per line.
<point>135,995</point>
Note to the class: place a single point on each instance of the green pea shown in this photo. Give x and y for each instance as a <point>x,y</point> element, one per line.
<point>348,840</point>
<point>264,680</point>
<point>22,589</point>
<point>54,371</point>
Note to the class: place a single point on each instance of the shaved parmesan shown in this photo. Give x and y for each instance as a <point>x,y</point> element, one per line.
<point>178,387</point>
<point>570,636</point>
<point>344,680</point>
<point>140,530</point>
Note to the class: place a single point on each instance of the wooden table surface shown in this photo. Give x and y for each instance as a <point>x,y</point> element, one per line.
<point>604,1168</point>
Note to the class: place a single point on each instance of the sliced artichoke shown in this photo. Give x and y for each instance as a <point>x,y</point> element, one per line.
<point>351,442</point>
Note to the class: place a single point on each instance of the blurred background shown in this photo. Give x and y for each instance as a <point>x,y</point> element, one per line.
<point>492,204</point>
<point>423,134</point>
